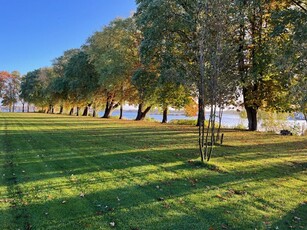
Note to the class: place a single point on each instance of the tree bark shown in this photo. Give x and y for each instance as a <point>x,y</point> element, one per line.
<point>139,114</point>
<point>94,112</point>
<point>28,108</point>
<point>61,109</point>
<point>251,109</point>
<point>107,111</point>
<point>252,118</point>
<point>164,120</point>
<point>121,111</point>
<point>71,111</point>
<point>85,112</point>
<point>23,107</point>
<point>201,111</point>
<point>110,106</point>
<point>142,114</point>
<point>77,112</point>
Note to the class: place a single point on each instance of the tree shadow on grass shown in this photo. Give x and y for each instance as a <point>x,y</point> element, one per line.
<point>141,204</point>
<point>295,219</point>
<point>263,151</point>
<point>126,176</point>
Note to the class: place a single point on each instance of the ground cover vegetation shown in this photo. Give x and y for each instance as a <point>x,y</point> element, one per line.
<point>68,172</point>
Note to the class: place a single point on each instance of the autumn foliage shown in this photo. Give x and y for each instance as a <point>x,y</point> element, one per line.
<point>191,108</point>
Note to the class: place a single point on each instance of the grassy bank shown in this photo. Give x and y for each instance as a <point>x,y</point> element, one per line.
<point>60,172</point>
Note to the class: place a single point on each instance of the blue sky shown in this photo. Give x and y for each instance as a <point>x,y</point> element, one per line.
<point>34,32</point>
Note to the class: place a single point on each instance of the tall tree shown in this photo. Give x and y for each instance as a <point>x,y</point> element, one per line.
<point>60,86</point>
<point>114,53</point>
<point>260,40</point>
<point>10,90</point>
<point>82,80</point>
<point>189,39</point>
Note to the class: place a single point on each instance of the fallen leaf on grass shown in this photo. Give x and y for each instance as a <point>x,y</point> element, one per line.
<point>181,201</point>
<point>166,205</point>
<point>64,201</point>
<point>220,196</point>
<point>112,224</point>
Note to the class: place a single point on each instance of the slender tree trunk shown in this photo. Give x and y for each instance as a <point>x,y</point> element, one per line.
<point>28,108</point>
<point>13,107</point>
<point>23,107</point>
<point>77,112</point>
<point>85,112</point>
<point>165,110</point>
<point>201,111</point>
<point>71,111</point>
<point>94,112</point>
<point>121,111</point>
<point>201,88</point>
<point>218,134</point>
<point>52,109</point>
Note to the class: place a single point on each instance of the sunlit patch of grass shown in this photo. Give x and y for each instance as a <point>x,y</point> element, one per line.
<point>61,172</point>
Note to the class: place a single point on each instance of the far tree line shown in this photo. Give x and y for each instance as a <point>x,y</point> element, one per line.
<point>172,52</point>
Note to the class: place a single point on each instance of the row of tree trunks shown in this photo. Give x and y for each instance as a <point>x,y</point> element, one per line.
<point>110,106</point>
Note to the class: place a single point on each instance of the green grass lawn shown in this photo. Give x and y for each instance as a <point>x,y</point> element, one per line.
<point>60,172</point>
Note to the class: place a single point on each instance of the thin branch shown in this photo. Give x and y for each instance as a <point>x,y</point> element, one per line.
<point>298,3</point>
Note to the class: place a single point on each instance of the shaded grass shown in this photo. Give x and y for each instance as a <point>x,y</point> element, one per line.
<point>60,172</point>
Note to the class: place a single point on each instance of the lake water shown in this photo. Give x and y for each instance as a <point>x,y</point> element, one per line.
<point>230,119</point>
